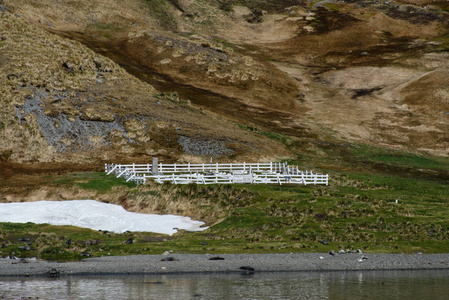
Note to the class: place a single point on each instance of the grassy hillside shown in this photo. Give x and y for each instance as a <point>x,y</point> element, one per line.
<point>403,210</point>
<point>372,212</point>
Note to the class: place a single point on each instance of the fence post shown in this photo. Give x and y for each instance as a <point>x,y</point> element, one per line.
<point>154,166</point>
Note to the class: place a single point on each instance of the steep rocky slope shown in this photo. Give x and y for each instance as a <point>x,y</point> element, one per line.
<point>171,78</point>
<point>61,102</point>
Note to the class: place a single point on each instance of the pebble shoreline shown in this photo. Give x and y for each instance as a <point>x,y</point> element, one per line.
<point>201,263</point>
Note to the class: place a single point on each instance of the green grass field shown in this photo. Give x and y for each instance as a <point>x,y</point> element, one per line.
<point>372,211</point>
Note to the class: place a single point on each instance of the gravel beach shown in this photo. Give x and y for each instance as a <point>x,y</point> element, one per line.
<point>202,263</point>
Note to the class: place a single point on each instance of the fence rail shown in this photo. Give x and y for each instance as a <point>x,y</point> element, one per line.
<point>245,178</point>
<point>188,168</point>
<point>254,173</point>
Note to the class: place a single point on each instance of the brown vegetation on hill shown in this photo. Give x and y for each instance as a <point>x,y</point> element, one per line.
<point>84,82</point>
<point>64,103</point>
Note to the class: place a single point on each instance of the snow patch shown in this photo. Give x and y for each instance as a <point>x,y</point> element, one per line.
<point>94,215</point>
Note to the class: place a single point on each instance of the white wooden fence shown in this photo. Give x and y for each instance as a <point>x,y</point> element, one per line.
<point>189,168</point>
<point>252,178</point>
<point>254,173</point>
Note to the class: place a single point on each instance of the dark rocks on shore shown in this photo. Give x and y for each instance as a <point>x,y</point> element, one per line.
<point>129,241</point>
<point>332,252</point>
<point>247,270</point>
<point>170,259</point>
<point>216,258</point>
<point>53,273</point>
<point>18,260</point>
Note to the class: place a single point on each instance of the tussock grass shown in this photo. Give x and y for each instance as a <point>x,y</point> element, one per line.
<point>97,182</point>
<point>375,212</point>
<point>398,158</point>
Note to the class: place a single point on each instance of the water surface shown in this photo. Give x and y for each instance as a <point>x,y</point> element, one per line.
<point>284,285</point>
